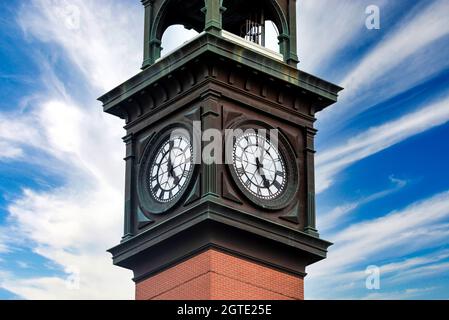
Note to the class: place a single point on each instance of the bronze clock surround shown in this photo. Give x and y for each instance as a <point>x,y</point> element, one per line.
<point>285,149</point>
<point>148,203</point>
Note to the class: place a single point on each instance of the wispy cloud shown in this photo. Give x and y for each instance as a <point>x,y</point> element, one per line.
<point>338,216</point>
<point>426,271</point>
<point>63,225</point>
<point>410,294</point>
<point>317,19</point>
<point>3,246</point>
<point>417,30</point>
<point>376,139</point>
<point>103,44</point>
<point>397,234</point>
<point>9,151</point>
<point>426,26</point>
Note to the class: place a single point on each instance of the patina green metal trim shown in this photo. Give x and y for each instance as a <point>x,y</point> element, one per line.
<point>214,15</point>
<point>212,44</point>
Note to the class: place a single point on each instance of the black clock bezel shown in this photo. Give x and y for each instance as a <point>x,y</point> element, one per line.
<point>148,203</point>
<point>291,168</point>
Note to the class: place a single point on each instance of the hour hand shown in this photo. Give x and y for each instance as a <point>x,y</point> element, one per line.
<point>175,177</point>
<point>266,183</point>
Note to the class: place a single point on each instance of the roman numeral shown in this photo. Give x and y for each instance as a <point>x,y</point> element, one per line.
<point>277,185</point>
<point>240,171</point>
<point>280,174</point>
<point>266,184</point>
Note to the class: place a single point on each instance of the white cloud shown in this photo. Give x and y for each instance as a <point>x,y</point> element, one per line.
<point>73,229</point>
<point>74,225</point>
<point>14,131</point>
<point>376,139</point>
<point>105,44</point>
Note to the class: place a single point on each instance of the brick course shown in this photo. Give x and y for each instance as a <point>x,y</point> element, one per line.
<point>214,275</point>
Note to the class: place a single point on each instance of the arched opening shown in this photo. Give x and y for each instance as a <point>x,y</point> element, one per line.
<point>258,21</point>
<point>179,12</point>
<point>174,37</point>
<point>271,36</point>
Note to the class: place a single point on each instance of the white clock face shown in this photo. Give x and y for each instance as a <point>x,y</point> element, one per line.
<point>259,166</point>
<point>171,169</point>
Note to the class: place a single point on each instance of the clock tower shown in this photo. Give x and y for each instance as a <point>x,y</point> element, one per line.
<point>236,221</point>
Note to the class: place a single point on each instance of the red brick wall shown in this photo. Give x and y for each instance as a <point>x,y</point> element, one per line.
<point>214,275</point>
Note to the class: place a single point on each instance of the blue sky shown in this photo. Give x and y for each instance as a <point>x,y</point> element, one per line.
<point>382,173</point>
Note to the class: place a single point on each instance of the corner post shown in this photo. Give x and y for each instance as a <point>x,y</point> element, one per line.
<point>310,223</point>
<point>284,45</point>
<point>130,157</point>
<point>211,119</point>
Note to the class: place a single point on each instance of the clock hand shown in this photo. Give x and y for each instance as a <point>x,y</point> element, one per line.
<point>170,161</point>
<point>175,176</point>
<point>266,183</point>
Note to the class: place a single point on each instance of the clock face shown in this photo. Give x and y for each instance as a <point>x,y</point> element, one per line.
<point>265,169</point>
<point>259,166</point>
<point>165,171</point>
<point>171,169</point>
